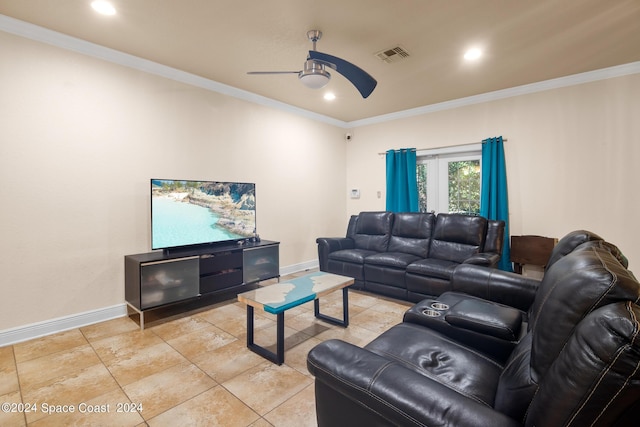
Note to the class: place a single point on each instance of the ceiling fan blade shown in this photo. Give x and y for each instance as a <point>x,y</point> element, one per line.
<point>273,72</point>
<point>356,75</point>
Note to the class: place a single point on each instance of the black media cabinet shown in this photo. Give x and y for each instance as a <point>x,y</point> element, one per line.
<point>156,280</point>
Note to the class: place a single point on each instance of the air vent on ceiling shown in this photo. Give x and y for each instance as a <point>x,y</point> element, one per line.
<point>393,55</point>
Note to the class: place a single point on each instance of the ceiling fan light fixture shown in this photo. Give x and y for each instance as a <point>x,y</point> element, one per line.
<point>314,76</point>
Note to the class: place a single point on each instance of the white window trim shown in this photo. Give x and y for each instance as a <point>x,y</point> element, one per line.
<point>437,197</point>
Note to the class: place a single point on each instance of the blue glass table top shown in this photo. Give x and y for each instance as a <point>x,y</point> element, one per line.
<point>279,297</point>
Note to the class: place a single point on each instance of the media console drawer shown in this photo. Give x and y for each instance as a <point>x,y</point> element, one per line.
<point>220,281</point>
<point>213,263</point>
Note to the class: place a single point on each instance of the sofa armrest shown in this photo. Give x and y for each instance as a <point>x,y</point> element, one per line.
<point>485,259</point>
<point>357,387</point>
<point>495,285</point>
<point>326,245</point>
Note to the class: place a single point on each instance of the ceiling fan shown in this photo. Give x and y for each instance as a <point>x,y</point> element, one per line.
<point>314,74</point>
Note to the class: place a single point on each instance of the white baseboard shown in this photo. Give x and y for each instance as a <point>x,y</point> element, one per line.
<point>295,268</point>
<point>53,326</point>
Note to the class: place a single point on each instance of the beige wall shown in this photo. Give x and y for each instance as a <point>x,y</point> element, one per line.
<point>572,157</point>
<point>80,139</point>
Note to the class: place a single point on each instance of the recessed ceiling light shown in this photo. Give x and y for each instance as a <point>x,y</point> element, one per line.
<point>329,96</point>
<point>472,54</point>
<point>103,7</point>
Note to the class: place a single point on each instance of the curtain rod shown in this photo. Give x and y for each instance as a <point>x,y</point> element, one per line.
<point>446,146</point>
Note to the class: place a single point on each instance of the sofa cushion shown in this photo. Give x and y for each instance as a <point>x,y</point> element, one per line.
<point>437,357</point>
<point>411,233</point>
<point>391,259</point>
<point>354,256</point>
<point>373,231</point>
<point>433,267</point>
<point>457,237</point>
<point>516,388</point>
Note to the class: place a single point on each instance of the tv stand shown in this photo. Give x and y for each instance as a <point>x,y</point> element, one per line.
<point>159,279</point>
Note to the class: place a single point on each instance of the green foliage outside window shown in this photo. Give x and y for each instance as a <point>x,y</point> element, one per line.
<point>464,187</point>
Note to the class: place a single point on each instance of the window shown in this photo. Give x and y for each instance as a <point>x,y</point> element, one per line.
<point>449,179</point>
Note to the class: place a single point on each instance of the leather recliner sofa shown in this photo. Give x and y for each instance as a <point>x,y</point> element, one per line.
<point>410,256</point>
<point>575,362</point>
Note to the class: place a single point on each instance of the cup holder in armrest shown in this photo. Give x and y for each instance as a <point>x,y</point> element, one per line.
<point>435,309</point>
<point>431,312</point>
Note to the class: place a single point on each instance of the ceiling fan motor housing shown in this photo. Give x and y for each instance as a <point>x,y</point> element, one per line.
<point>314,75</point>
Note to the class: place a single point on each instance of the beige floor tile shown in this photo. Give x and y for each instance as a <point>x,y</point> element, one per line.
<point>228,361</point>
<point>261,423</point>
<point>238,326</point>
<point>214,407</point>
<point>307,323</point>
<point>267,386</point>
<point>362,299</point>
<point>41,370</point>
<point>201,341</point>
<point>299,411</point>
<point>162,391</point>
<point>8,373</point>
<point>180,327</point>
<point>222,313</point>
<point>125,345</point>
<point>267,337</point>
<point>111,409</point>
<point>375,321</point>
<point>392,308</point>
<point>296,357</point>
<point>190,369</point>
<point>71,389</point>
<point>50,344</point>
<point>150,360</point>
<point>109,328</point>
<point>354,334</point>
<point>12,418</point>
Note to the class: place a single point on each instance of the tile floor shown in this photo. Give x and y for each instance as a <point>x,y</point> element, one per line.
<point>193,369</point>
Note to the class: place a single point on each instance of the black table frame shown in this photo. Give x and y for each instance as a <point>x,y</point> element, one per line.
<point>278,356</point>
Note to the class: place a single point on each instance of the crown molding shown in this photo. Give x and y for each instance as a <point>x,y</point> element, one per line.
<point>54,38</point>
<point>40,34</point>
<point>572,80</point>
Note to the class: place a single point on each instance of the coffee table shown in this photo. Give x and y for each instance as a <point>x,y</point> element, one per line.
<point>280,297</point>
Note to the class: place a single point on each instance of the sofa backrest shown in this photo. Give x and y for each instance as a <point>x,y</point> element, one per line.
<point>494,240</point>
<point>411,233</point>
<point>595,380</point>
<point>351,227</point>
<point>373,231</point>
<point>568,243</point>
<point>456,237</point>
<point>575,286</point>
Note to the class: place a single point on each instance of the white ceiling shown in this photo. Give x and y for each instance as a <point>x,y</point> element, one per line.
<point>523,41</point>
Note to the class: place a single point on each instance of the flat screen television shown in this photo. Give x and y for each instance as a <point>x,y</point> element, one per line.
<point>187,214</point>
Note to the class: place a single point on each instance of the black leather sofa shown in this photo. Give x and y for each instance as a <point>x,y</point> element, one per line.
<point>569,352</point>
<point>410,256</point>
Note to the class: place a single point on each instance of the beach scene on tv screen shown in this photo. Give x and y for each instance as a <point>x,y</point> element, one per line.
<point>196,212</point>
